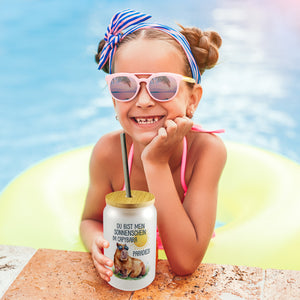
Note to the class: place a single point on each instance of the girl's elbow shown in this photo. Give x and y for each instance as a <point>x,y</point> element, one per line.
<point>186,267</point>
<point>184,271</point>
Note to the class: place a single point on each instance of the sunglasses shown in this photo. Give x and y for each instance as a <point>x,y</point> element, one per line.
<point>160,86</point>
<point>121,247</point>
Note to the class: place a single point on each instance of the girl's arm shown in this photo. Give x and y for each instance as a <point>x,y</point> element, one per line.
<point>186,229</point>
<point>91,227</point>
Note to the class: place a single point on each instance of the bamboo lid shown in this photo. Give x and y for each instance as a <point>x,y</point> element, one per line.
<point>138,199</point>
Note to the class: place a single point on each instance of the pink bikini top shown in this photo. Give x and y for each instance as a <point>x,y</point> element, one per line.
<point>197,128</point>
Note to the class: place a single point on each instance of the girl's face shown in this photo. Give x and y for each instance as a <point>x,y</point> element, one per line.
<point>143,116</point>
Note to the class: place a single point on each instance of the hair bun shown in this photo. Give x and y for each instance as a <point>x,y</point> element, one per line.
<point>98,54</point>
<point>204,46</point>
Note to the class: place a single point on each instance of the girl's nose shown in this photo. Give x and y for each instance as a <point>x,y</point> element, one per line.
<point>144,100</point>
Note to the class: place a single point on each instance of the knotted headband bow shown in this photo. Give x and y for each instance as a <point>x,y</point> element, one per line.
<point>133,21</point>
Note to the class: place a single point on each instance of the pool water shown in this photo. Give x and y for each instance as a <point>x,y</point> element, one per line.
<point>53,98</point>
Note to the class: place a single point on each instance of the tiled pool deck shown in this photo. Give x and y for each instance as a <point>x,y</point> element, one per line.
<point>56,274</point>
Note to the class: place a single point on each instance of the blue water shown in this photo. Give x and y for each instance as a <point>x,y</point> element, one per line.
<point>53,98</point>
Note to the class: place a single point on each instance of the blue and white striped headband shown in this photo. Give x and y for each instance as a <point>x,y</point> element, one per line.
<point>135,20</point>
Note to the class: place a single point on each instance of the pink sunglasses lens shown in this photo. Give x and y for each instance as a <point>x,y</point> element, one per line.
<point>123,88</point>
<point>163,87</point>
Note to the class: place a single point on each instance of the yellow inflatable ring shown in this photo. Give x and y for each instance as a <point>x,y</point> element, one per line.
<point>259,204</point>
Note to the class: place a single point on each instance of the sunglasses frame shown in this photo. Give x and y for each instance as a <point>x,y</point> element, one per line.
<point>178,78</point>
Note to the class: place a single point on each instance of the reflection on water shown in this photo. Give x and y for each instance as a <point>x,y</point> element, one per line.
<point>53,98</point>
<point>254,90</point>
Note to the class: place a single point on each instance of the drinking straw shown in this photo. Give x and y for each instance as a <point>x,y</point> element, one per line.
<point>125,165</point>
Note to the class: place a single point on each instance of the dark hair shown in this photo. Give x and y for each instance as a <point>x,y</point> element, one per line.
<point>204,45</point>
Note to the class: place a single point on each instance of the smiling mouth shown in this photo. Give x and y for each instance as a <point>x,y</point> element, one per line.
<point>148,120</point>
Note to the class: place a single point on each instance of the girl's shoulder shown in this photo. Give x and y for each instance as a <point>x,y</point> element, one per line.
<point>203,145</point>
<point>107,147</point>
<point>106,162</point>
<point>109,138</point>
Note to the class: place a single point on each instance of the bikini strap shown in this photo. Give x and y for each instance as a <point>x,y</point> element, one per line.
<point>183,165</point>
<point>197,128</point>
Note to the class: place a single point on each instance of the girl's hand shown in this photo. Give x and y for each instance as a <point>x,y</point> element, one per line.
<point>101,261</point>
<point>160,149</point>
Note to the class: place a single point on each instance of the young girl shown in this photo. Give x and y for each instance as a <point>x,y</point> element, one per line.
<point>154,81</point>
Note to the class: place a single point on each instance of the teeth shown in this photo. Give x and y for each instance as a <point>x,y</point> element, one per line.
<point>147,120</point>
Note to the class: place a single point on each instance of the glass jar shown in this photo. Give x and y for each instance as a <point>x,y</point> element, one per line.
<point>129,225</point>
